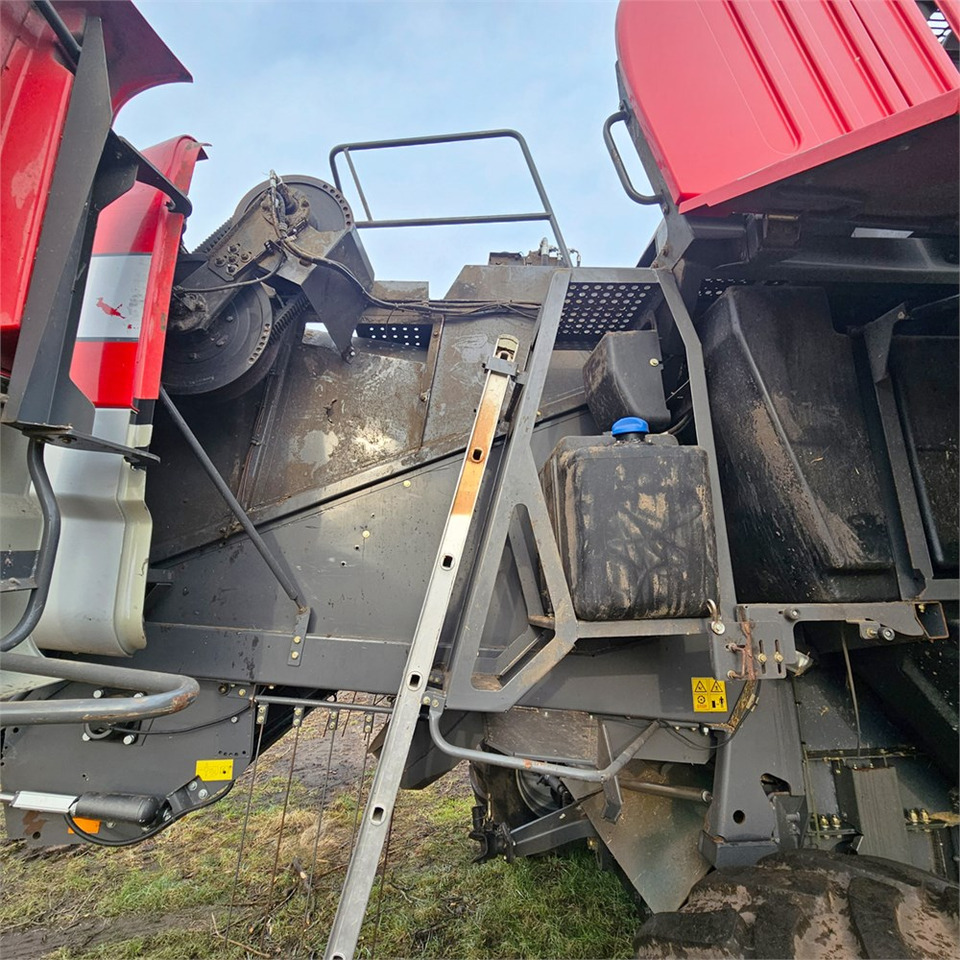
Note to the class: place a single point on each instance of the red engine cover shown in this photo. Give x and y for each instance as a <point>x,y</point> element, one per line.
<point>732,95</point>
<point>35,86</point>
<point>123,320</point>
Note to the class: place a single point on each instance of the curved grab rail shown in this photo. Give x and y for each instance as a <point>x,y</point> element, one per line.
<point>621,117</point>
<point>164,693</point>
<point>46,555</point>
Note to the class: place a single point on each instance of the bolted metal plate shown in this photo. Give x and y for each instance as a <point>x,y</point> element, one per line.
<point>592,309</point>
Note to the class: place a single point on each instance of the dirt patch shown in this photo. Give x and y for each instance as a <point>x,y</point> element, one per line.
<point>34,942</point>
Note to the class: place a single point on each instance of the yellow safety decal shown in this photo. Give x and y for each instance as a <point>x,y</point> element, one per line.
<point>87,826</point>
<point>709,695</point>
<point>214,770</point>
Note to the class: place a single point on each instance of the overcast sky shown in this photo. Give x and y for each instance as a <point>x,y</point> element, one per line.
<point>277,84</point>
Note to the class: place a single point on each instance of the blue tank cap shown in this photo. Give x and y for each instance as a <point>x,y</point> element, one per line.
<point>630,425</point>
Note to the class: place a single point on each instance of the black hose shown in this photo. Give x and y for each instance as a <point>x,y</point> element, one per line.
<point>49,540</point>
<point>66,38</point>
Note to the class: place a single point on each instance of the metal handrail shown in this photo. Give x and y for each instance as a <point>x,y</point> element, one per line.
<point>645,198</point>
<point>46,555</point>
<point>370,223</point>
<point>164,693</point>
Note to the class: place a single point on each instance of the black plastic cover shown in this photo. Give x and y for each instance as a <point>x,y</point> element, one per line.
<point>623,377</point>
<point>634,524</point>
<point>802,501</point>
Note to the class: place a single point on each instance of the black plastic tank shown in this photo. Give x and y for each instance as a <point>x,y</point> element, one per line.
<point>633,518</point>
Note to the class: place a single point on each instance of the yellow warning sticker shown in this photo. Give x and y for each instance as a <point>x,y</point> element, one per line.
<point>214,770</point>
<point>709,695</point>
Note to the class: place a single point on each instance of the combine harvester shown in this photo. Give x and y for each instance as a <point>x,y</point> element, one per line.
<point>668,553</point>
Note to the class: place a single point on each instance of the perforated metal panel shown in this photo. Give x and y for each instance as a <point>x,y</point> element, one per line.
<point>713,287</point>
<point>407,334</point>
<point>592,309</point>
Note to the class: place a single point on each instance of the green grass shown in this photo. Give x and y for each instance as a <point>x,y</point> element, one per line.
<point>161,899</point>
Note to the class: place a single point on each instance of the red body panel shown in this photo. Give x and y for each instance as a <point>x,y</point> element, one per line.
<point>36,88</point>
<point>732,95</point>
<point>119,369</point>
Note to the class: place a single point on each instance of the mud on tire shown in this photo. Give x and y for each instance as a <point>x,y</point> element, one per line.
<point>807,904</point>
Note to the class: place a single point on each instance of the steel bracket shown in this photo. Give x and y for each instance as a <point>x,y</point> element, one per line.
<point>299,634</point>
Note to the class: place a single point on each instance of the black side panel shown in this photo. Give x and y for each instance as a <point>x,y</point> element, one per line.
<point>802,501</point>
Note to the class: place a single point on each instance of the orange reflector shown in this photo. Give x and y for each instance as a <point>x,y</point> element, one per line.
<point>87,826</point>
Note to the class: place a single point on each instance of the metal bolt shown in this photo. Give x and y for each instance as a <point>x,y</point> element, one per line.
<point>192,785</point>
<point>138,696</point>
<point>792,614</point>
<point>870,633</point>
<point>295,655</point>
<point>924,816</point>
<point>887,633</point>
<point>717,627</point>
<point>824,822</point>
<point>85,736</point>
<point>406,483</point>
<point>835,822</point>
<point>234,719</point>
<point>426,701</point>
<point>241,692</point>
<point>654,362</point>
<point>129,739</point>
<point>223,688</point>
<point>97,694</point>
<point>297,639</point>
<point>203,794</point>
<point>762,657</point>
<point>434,703</point>
<point>778,657</point>
<point>913,816</point>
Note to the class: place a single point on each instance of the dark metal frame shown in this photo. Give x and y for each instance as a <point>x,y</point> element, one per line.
<point>518,485</point>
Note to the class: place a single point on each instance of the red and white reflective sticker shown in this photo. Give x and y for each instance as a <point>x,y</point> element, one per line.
<point>113,301</point>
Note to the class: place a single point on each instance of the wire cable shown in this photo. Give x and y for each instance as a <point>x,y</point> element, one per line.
<point>198,726</point>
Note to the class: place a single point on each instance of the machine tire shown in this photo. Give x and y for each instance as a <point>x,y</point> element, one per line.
<point>810,903</point>
<point>510,800</point>
<point>497,788</point>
